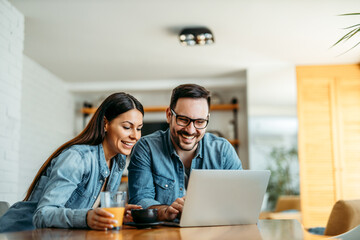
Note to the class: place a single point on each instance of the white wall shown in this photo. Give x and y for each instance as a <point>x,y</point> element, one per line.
<point>272,108</point>
<point>272,90</point>
<point>47,119</point>
<point>11,48</point>
<point>36,109</point>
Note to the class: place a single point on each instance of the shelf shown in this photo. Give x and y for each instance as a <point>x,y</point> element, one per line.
<point>224,107</point>
<point>234,142</point>
<point>234,107</point>
<point>214,107</point>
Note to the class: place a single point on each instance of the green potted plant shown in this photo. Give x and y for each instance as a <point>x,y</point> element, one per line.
<point>284,174</point>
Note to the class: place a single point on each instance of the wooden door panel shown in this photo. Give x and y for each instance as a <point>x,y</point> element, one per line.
<point>348,109</point>
<point>329,138</point>
<point>315,150</point>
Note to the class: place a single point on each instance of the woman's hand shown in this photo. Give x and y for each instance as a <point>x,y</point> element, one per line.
<point>100,219</point>
<point>127,214</point>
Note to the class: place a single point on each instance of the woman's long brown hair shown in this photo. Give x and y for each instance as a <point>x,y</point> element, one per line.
<point>94,133</point>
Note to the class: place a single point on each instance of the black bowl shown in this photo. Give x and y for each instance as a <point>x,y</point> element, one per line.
<point>144,215</point>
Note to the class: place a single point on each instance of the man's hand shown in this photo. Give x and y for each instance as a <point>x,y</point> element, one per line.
<point>171,212</point>
<point>127,216</point>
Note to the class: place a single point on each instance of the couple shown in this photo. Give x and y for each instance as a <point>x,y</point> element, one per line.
<point>65,192</point>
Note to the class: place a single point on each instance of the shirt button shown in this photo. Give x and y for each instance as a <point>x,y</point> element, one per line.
<point>94,197</point>
<point>181,189</point>
<point>101,181</point>
<point>166,185</point>
<point>105,172</point>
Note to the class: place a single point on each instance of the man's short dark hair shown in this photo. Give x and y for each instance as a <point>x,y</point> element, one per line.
<point>189,91</point>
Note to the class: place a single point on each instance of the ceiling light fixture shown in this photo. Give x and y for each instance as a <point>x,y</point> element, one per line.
<point>196,36</point>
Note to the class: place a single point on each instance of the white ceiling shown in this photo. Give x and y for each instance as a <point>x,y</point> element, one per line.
<point>112,40</point>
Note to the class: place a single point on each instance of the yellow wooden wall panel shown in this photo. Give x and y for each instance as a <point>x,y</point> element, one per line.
<point>315,149</point>
<point>348,98</point>
<point>328,96</point>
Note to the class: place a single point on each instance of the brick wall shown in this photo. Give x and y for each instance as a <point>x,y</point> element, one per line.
<point>11,54</point>
<point>47,119</point>
<point>36,109</point>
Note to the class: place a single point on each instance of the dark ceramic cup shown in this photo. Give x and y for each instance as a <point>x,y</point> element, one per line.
<point>144,215</point>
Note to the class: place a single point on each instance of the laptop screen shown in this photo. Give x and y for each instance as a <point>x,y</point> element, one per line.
<point>224,197</point>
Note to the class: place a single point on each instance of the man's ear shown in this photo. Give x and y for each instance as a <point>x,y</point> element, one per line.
<point>168,115</point>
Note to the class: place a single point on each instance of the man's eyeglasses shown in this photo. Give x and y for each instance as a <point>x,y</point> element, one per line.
<point>184,121</point>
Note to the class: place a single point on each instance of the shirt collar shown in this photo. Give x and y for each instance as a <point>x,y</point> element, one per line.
<point>199,149</point>
<point>104,170</point>
<point>171,147</point>
<point>118,164</point>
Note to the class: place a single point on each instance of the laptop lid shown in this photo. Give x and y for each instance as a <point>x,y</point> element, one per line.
<point>224,197</point>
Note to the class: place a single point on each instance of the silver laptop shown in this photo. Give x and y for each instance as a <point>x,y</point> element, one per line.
<point>223,197</point>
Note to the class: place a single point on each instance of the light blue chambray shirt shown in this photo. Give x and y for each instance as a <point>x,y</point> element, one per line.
<point>67,191</point>
<point>156,173</point>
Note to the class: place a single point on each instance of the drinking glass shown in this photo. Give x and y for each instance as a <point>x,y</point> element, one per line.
<point>114,203</point>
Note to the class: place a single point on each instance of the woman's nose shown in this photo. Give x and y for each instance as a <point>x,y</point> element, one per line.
<point>136,134</point>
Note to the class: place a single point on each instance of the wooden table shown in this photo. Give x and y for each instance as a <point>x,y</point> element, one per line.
<point>265,229</point>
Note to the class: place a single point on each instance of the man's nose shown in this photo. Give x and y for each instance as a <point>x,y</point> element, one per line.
<point>191,127</point>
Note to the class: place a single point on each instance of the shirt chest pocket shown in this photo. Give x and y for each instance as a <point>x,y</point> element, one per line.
<point>164,189</point>
<point>81,197</point>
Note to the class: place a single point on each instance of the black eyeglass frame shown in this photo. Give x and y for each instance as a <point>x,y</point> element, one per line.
<point>190,120</point>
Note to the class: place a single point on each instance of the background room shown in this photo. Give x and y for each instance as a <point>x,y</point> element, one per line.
<point>56,56</point>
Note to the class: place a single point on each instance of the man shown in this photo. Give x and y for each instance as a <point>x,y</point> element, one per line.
<point>161,162</point>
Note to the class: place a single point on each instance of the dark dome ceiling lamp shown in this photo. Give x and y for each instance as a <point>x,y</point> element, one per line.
<point>196,36</point>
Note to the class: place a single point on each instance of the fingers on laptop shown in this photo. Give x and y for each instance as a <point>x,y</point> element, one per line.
<point>171,213</point>
<point>179,204</point>
<point>172,210</point>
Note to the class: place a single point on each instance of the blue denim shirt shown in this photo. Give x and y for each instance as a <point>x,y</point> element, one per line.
<point>156,173</point>
<point>66,191</point>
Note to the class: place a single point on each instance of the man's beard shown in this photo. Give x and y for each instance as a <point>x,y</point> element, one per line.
<point>177,141</point>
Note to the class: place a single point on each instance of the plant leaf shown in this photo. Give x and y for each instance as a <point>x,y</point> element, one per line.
<point>353,47</point>
<point>355,29</point>
<point>349,14</point>
<point>355,32</point>
<point>352,26</point>
<point>346,36</point>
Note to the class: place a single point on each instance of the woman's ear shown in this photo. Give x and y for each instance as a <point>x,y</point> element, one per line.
<point>106,124</point>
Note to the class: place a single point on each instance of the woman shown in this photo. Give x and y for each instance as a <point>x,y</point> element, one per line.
<point>65,192</point>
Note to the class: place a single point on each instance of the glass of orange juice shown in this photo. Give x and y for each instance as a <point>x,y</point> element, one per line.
<point>114,203</point>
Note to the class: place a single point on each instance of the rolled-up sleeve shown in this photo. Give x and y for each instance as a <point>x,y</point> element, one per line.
<point>141,182</point>
<point>67,171</point>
